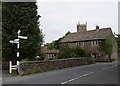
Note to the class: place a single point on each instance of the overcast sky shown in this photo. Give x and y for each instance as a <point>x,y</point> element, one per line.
<point>59,17</point>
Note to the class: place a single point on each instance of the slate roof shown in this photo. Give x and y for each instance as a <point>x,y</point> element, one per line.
<point>88,35</point>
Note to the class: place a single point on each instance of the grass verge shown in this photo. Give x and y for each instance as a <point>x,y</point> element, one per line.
<point>41,71</point>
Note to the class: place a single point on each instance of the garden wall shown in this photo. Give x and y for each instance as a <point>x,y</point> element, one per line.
<point>31,67</point>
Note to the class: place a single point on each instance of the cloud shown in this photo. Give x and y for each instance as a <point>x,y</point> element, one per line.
<point>60,17</point>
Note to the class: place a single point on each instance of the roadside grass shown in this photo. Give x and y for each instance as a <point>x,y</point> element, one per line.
<point>14,73</point>
<point>117,59</point>
<point>54,58</point>
<point>25,60</point>
<point>41,71</point>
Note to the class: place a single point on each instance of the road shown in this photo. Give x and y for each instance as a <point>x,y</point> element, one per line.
<point>0,74</point>
<point>100,73</point>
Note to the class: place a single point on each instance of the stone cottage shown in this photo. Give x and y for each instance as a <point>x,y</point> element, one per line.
<point>89,40</point>
<point>49,53</point>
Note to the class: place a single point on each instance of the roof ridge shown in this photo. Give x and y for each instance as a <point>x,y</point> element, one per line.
<point>91,30</point>
<point>88,35</point>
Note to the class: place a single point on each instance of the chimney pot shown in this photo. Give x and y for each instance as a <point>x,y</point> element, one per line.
<point>97,28</point>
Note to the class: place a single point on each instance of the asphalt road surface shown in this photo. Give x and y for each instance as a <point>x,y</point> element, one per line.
<point>0,74</point>
<point>101,73</point>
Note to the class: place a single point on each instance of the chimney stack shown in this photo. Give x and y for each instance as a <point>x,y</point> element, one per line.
<point>97,28</point>
<point>81,27</point>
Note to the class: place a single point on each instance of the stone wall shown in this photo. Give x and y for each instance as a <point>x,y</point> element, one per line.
<point>30,67</point>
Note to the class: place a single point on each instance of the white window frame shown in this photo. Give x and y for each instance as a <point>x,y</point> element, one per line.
<point>94,43</point>
<point>48,55</point>
<point>78,43</point>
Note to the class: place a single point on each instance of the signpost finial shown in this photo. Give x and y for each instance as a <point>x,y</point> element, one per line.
<point>18,31</point>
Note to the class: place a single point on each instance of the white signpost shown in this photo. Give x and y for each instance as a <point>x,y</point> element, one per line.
<point>16,41</point>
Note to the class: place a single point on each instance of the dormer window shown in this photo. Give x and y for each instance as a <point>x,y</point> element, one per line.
<point>94,43</point>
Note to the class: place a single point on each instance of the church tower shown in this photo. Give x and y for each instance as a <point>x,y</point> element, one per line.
<point>81,27</point>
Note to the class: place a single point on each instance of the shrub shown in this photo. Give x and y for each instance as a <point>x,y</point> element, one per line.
<point>66,52</point>
<point>25,60</point>
<point>79,52</point>
<point>53,58</point>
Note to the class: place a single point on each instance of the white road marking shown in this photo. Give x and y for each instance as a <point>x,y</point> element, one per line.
<point>109,67</point>
<point>114,65</point>
<point>77,78</point>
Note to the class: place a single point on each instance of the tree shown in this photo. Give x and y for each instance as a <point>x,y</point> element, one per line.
<point>106,47</point>
<point>55,44</point>
<point>118,41</point>
<point>23,16</point>
<point>0,32</point>
<point>51,45</point>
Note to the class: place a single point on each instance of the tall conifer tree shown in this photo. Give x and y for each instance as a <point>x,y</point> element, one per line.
<point>23,16</point>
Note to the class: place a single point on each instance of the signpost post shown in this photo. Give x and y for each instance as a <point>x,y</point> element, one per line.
<point>16,41</point>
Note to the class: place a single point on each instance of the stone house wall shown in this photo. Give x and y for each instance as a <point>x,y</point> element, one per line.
<point>88,46</point>
<point>115,47</point>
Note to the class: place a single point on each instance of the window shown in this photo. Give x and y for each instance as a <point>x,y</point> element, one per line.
<point>82,44</point>
<point>78,43</point>
<point>66,44</point>
<point>52,55</point>
<point>48,55</point>
<point>94,43</point>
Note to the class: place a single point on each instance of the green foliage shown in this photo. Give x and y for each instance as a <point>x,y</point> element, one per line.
<point>51,45</point>
<point>25,60</point>
<point>0,32</point>
<point>118,42</point>
<point>41,55</point>
<point>23,16</point>
<point>55,44</point>
<point>53,58</point>
<point>66,52</point>
<point>118,58</point>
<point>79,52</point>
<point>106,46</point>
<point>118,49</point>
